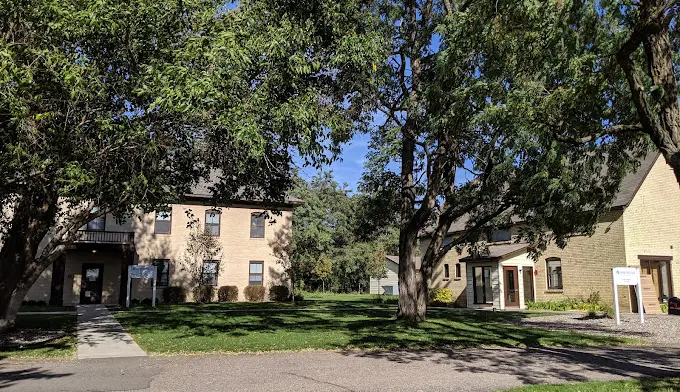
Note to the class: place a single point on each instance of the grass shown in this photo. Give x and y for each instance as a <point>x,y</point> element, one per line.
<point>64,346</point>
<point>331,324</point>
<point>646,385</point>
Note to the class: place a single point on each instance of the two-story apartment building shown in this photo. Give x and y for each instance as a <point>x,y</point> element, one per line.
<point>94,269</point>
<point>641,230</point>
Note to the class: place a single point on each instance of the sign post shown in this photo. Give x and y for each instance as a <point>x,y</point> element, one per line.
<point>139,271</point>
<point>627,276</point>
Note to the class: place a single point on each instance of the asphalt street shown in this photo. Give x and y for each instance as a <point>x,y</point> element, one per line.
<point>445,370</point>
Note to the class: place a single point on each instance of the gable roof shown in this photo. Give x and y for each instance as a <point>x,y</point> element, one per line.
<point>497,252</point>
<point>393,258</point>
<point>202,190</point>
<point>632,182</point>
<point>629,187</point>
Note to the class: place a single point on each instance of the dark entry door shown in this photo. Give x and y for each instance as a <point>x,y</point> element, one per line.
<point>511,282</point>
<point>91,284</point>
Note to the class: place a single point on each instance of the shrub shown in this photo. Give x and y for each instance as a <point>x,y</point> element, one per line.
<point>254,293</point>
<point>134,302</point>
<point>174,294</point>
<point>299,297</point>
<point>204,293</point>
<point>440,296</point>
<point>592,306</point>
<point>385,299</point>
<point>227,294</point>
<point>146,301</point>
<point>279,293</point>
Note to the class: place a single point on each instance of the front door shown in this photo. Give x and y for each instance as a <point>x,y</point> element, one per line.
<point>511,285</point>
<point>528,283</point>
<point>91,283</point>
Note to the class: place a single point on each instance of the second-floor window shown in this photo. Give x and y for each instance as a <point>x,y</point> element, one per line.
<point>257,225</point>
<point>163,222</point>
<point>500,235</point>
<point>209,273</point>
<point>97,224</point>
<point>446,272</point>
<point>212,222</point>
<point>458,274</point>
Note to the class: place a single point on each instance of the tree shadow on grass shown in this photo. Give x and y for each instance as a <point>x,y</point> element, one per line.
<point>364,328</point>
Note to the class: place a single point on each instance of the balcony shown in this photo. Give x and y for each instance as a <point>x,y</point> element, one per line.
<point>104,237</point>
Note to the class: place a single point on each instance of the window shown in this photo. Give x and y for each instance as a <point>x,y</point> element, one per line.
<point>212,222</point>
<point>446,272</point>
<point>500,235</point>
<point>255,275</point>
<point>163,222</point>
<point>97,224</point>
<point>553,267</point>
<point>257,225</point>
<point>209,273</point>
<point>458,275</point>
<point>162,271</point>
<point>481,285</point>
<point>388,290</point>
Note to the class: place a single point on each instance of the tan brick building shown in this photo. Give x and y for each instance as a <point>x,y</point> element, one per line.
<point>94,269</point>
<point>642,230</point>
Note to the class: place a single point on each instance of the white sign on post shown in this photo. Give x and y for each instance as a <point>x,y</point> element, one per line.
<point>139,271</point>
<point>627,276</point>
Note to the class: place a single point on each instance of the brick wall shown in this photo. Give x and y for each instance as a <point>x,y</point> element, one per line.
<point>587,263</point>
<point>652,220</point>
<point>238,249</point>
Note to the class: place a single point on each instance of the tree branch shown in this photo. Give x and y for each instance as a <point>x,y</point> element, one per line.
<point>616,129</point>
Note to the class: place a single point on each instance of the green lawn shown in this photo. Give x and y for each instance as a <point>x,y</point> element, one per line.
<point>330,325</point>
<point>64,346</point>
<point>646,385</point>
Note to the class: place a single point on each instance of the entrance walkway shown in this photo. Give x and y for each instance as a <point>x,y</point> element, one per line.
<point>100,335</point>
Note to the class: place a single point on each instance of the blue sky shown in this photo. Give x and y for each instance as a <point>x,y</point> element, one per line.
<point>350,166</point>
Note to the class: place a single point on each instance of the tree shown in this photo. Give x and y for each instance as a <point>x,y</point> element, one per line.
<point>638,45</point>
<point>110,107</point>
<point>323,269</point>
<point>201,246</point>
<point>470,95</point>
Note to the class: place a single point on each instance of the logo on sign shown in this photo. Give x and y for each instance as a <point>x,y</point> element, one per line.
<point>142,271</point>
<point>626,276</point>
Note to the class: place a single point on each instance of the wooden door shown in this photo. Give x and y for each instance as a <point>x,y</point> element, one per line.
<point>511,286</point>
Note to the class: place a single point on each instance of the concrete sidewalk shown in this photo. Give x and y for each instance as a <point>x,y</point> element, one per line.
<point>100,335</point>
<point>460,370</point>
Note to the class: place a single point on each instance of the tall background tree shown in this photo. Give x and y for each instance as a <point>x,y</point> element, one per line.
<point>331,248</point>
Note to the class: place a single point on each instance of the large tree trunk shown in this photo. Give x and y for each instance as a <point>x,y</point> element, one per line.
<point>410,306</point>
<point>652,31</point>
<point>20,266</point>
<point>659,54</point>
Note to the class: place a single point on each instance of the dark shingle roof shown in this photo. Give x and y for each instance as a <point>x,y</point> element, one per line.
<point>202,190</point>
<point>629,187</point>
<point>631,183</point>
<point>497,251</point>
